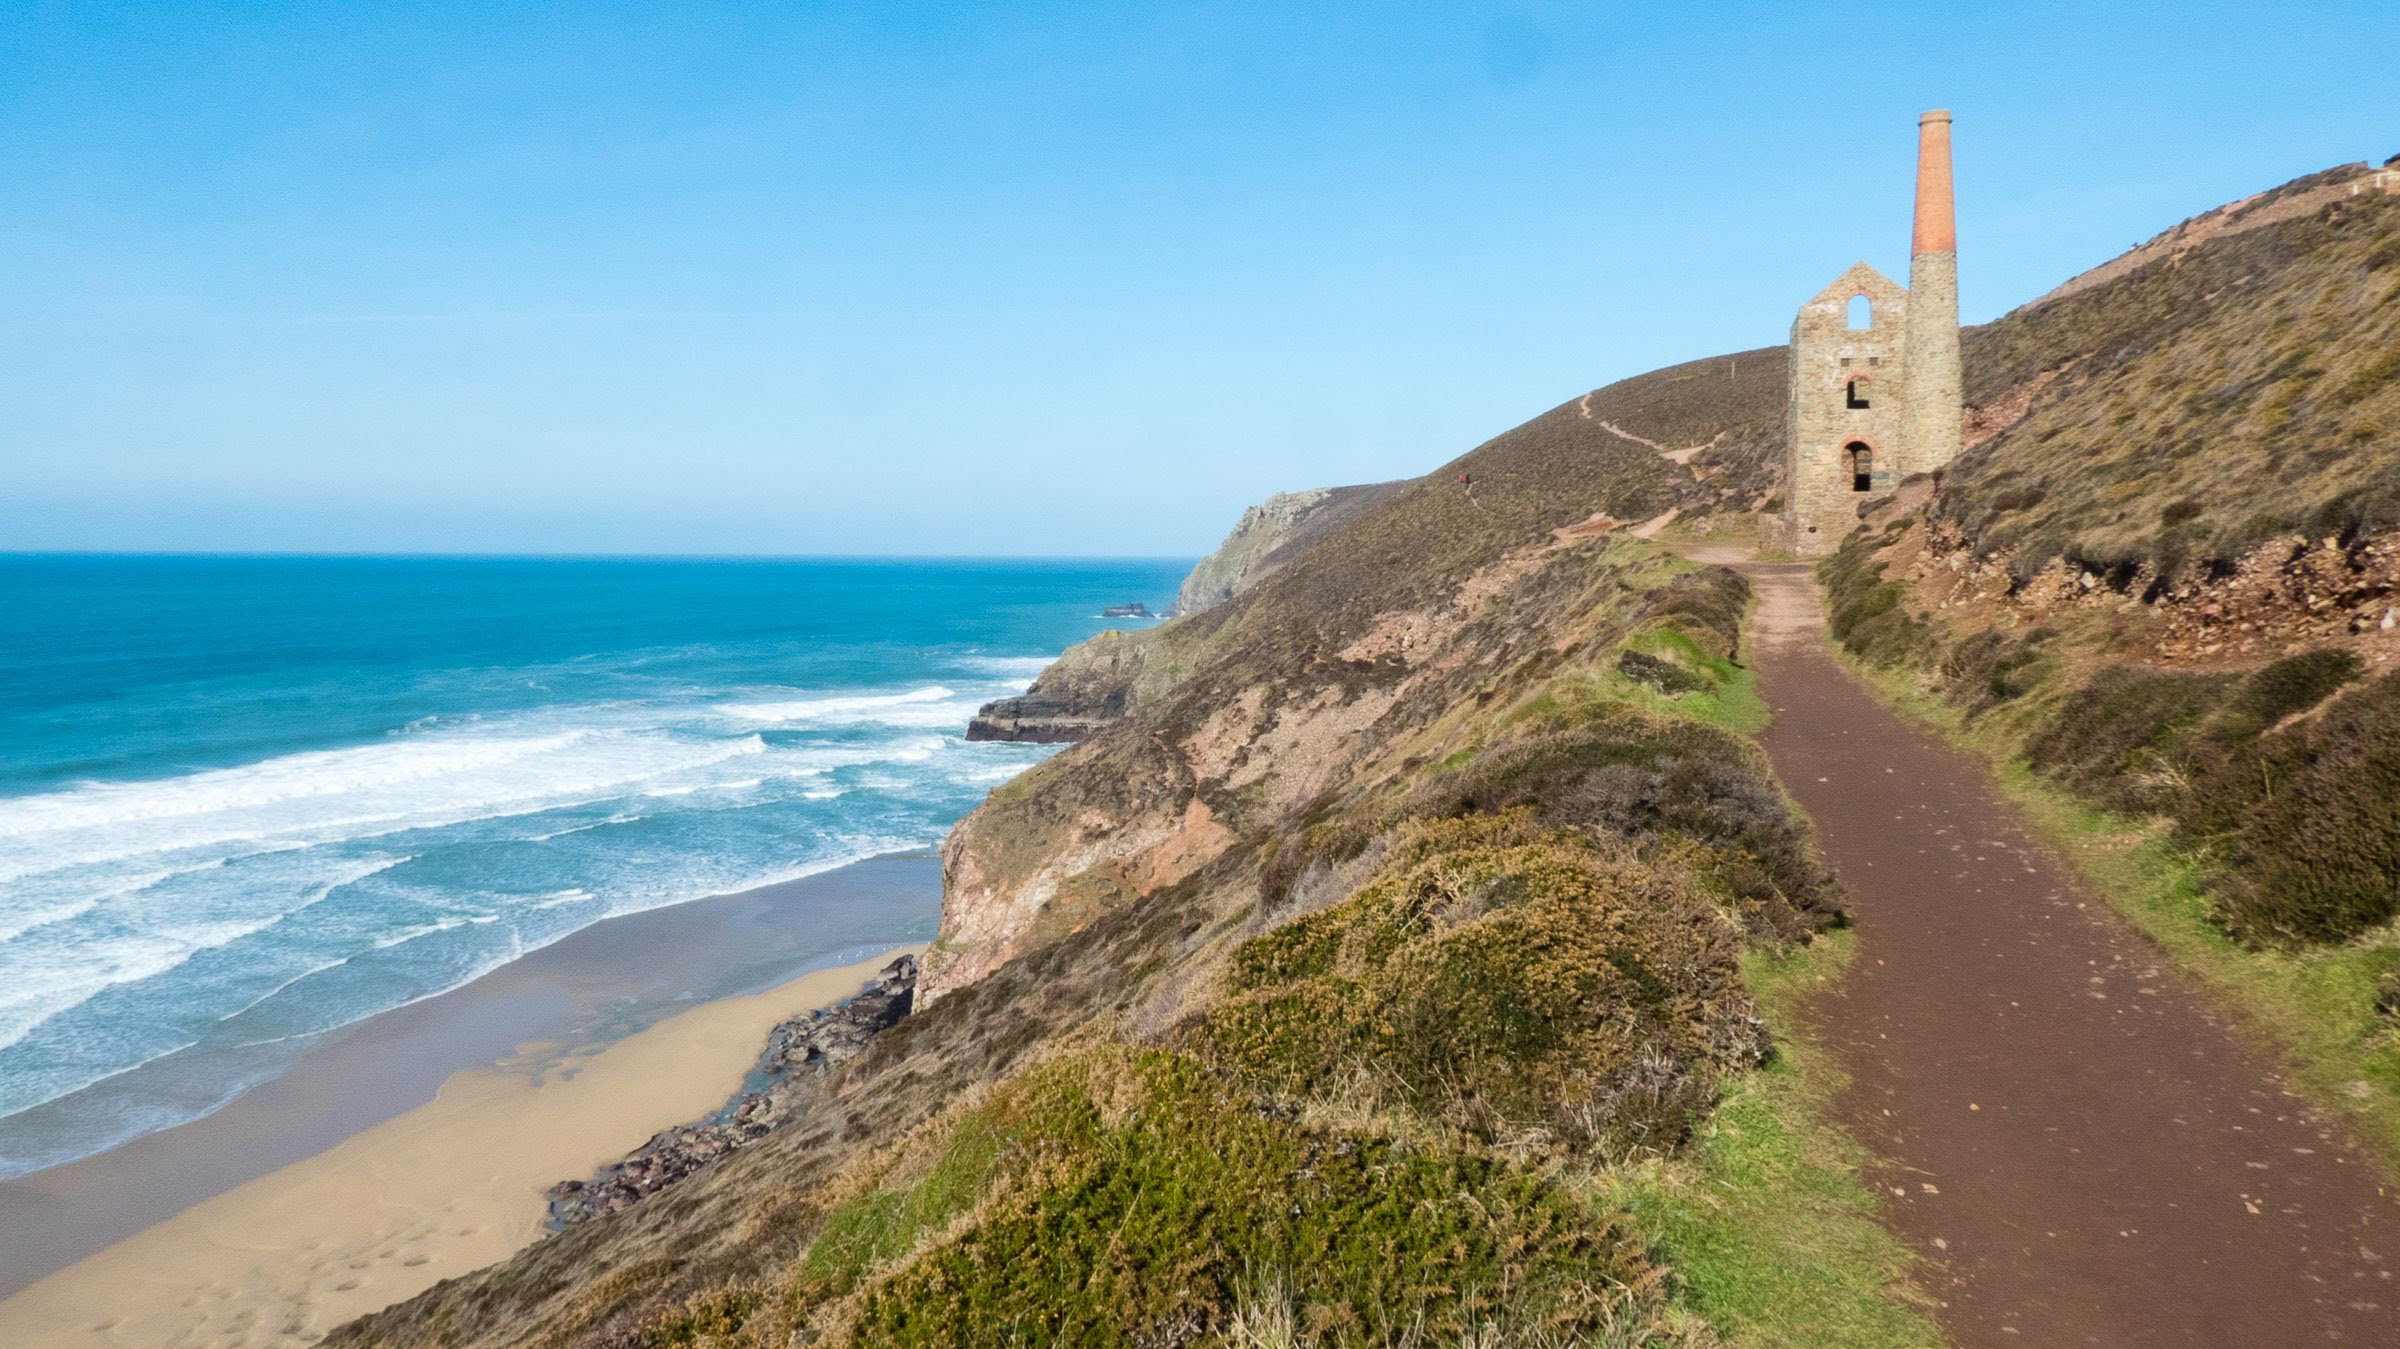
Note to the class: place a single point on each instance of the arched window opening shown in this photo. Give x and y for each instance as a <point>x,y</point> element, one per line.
<point>1855,398</point>
<point>1862,466</point>
<point>1862,312</point>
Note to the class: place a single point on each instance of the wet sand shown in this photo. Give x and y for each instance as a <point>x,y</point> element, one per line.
<point>414,1145</point>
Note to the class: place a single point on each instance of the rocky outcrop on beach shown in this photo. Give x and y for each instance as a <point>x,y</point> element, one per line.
<point>798,1051</point>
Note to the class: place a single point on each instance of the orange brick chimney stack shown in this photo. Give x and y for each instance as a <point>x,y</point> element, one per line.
<point>1937,227</point>
<point>1931,412</point>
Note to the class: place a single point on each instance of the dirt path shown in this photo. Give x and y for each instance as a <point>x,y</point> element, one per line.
<point>2070,1134</point>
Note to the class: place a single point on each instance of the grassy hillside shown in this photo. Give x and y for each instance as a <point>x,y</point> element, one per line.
<point>1366,982</point>
<point>1410,959</point>
<point>2200,405</point>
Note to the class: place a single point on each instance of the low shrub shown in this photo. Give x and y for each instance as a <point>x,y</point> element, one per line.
<point>1710,600</point>
<point>1664,675</point>
<point>1505,979</point>
<point>1165,1197</point>
<point>2123,739</point>
<point>1868,614</point>
<point>1993,667</point>
<point>1659,781</point>
<point>2316,856</point>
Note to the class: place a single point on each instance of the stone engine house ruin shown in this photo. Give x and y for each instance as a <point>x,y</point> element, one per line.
<point>1875,385</point>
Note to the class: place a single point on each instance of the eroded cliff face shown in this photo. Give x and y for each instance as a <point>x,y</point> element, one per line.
<point>1094,682</point>
<point>1279,709</point>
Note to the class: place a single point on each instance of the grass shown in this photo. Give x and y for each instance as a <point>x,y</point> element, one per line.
<point>1730,700</point>
<point>2314,1007</point>
<point>1766,1222</point>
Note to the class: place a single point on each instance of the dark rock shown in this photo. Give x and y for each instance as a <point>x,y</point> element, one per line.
<point>1082,691</point>
<point>1137,609</point>
<point>798,1051</point>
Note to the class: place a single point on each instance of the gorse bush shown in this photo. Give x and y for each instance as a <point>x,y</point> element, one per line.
<point>1664,675</point>
<point>2124,738</point>
<point>1142,1199</point>
<point>1708,603</point>
<point>1869,615</point>
<point>1993,667</point>
<point>1506,979</point>
<point>2236,771</point>
<point>1661,782</point>
<point>2293,684</point>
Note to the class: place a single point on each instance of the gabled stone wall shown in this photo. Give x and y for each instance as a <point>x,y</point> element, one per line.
<point>1835,367</point>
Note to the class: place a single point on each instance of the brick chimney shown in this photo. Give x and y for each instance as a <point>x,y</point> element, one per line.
<point>1929,342</point>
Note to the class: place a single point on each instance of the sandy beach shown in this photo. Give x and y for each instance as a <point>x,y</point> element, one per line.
<point>417,1146</point>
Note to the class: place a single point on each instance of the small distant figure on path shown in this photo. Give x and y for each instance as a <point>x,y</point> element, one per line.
<point>1467,485</point>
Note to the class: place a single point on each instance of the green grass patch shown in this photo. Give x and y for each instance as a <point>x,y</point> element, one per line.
<point>1730,700</point>
<point>1766,1222</point>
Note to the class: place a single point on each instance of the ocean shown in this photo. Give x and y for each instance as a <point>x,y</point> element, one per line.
<point>248,801</point>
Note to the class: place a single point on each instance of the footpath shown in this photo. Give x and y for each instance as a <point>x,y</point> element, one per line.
<point>2083,1149</point>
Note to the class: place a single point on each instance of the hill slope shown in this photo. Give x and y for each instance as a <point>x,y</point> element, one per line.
<point>1421,873</point>
<point>1423,880</point>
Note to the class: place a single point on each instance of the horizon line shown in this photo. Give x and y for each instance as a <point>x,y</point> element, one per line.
<point>421,555</point>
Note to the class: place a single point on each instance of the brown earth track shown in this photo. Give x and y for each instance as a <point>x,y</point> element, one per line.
<point>2082,1148</point>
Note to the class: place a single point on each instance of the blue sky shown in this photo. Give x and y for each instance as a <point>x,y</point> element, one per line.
<point>1022,278</point>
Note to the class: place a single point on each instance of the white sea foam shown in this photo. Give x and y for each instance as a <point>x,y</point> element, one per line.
<point>622,817</point>
<point>329,795</point>
<point>1014,667</point>
<point>118,888</point>
<point>933,705</point>
<point>49,977</point>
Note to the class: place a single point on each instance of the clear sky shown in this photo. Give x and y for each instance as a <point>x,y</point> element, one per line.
<point>1002,278</point>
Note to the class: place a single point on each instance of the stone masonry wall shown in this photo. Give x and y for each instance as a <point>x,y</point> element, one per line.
<point>1935,422</point>
<point>1826,356</point>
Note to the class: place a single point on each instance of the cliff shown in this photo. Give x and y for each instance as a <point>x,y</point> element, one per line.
<point>1276,929</point>
<point>1087,687</point>
<point>1093,682</point>
<point>1269,535</point>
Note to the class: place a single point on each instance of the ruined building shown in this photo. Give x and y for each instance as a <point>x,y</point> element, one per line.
<point>1874,373</point>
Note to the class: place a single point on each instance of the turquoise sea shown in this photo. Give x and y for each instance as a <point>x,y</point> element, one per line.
<point>247,801</point>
